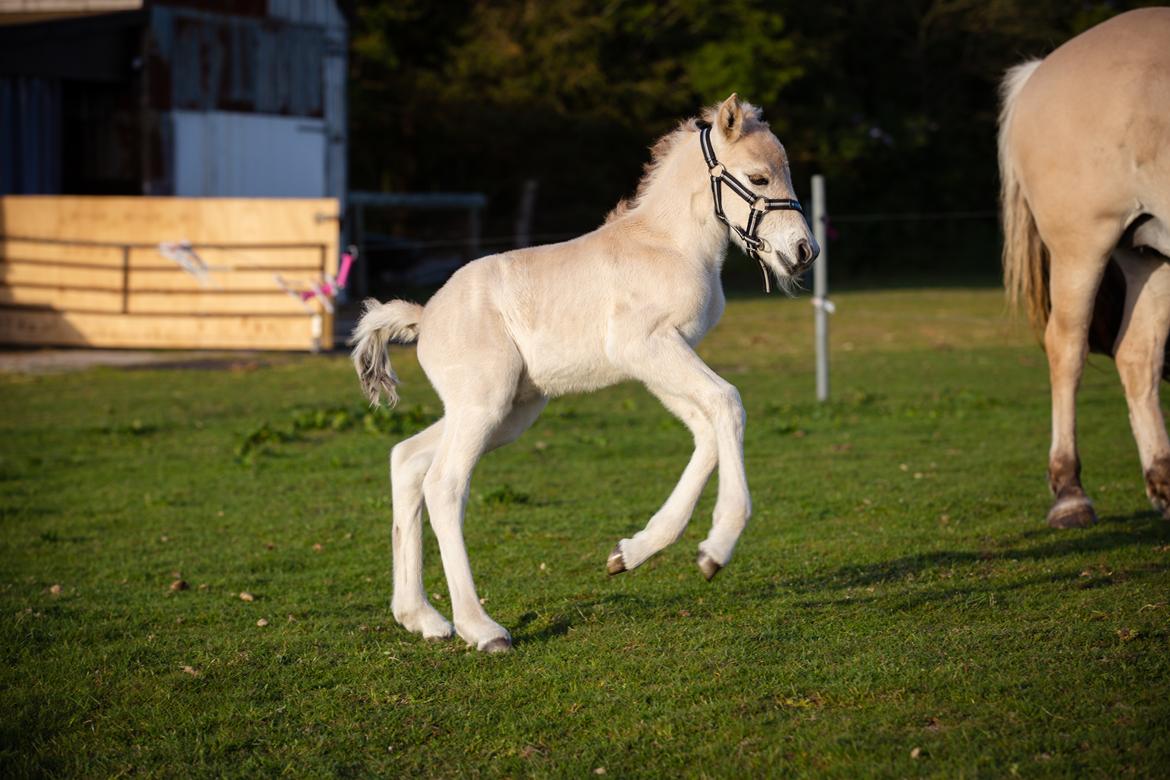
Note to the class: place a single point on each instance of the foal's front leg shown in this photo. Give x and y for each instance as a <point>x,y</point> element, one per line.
<point>669,522</point>
<point>671,369</point>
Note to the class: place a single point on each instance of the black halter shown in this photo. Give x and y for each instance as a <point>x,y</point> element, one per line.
<point>759,204</point>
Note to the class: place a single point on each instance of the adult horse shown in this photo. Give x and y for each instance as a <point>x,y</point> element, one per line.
<point>628,301</point>
<point>1084,149</point>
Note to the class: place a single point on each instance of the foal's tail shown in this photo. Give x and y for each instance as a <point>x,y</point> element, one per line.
<point>380,324</point>
<point>1025,258</point>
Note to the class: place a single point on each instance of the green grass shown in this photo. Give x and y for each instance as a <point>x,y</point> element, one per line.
<point>895,591</point>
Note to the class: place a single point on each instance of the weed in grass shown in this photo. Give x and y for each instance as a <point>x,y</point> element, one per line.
<point>265,438</point>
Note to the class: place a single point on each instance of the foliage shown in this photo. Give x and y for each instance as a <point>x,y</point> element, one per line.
<point>895,103</point>
<point>376,420</point>
<point>896,607</point>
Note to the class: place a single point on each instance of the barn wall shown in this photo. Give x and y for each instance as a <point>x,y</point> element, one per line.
<point>290,63</point>
<point>247,155</point>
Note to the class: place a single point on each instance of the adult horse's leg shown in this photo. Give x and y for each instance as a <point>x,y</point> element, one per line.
<point>409,461</point>
<point>1074,277</point>
<point>668,523</point>
<point>671,369</point>
<point>1140,352</point>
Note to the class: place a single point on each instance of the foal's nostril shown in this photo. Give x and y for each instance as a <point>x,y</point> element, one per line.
<point>804,253</point>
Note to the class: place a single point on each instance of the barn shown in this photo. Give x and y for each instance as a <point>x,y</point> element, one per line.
<point>224,123</point>
<point>193,98</point>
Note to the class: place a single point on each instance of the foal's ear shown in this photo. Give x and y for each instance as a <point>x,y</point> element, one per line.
<point>730,118</point>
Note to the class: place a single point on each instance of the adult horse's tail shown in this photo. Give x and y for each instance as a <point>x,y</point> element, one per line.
<point>1025,258</point>
<point>380,324</point>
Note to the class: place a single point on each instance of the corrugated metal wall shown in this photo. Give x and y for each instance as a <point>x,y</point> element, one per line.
<point>209,62</point>
<point>291,63</point>
<point>30,135</point>
<point>326,14</point>
<point>319,12</point>
<point>248,155</point>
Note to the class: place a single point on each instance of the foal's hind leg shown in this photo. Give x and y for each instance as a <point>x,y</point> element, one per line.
<point>1075,276</point>
<point>1141,349</point>
<point>466,437</point>
<point>409,461</point>
<point>669,522</point>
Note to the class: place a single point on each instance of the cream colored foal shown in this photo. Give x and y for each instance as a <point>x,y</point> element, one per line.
<point>628,301</point>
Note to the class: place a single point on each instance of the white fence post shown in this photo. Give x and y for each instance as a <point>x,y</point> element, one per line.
<point>821,286</point>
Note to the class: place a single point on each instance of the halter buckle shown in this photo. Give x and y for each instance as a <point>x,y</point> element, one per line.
<point>750,241</point>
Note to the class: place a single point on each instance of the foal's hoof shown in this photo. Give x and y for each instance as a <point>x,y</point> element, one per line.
<point>615,564</point>
<point>708,566</point>
<point>1072,512</point>
<point>500,644</point>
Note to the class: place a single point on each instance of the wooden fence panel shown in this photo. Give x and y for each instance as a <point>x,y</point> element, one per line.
<point>91,271</point>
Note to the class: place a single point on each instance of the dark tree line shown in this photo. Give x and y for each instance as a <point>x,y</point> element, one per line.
<point>894,101</point>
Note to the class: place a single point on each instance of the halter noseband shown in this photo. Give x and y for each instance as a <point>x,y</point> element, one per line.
<point>758,203</point>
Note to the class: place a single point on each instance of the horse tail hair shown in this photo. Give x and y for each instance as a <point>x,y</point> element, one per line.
<point>1025,258</point>
<point>380,324</point>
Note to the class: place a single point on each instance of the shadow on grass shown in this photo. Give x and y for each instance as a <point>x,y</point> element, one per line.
<point>913,580</point>
<point>1135,529</point>
<point>993,590</point>
<point>533,627</point>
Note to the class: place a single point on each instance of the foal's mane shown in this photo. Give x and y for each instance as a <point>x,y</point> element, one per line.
<point>752,120</point>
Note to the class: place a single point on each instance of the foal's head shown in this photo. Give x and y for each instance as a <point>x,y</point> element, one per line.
<point>746,147</point>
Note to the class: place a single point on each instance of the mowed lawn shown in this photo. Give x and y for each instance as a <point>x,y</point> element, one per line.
<point>896,607</point>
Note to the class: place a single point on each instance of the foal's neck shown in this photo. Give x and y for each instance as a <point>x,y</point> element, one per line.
<point>677,206</point>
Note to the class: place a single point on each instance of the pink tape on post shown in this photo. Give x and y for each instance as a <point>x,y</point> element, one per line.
<point>343,272</point>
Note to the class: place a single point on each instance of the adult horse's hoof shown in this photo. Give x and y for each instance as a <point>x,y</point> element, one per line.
<point>500,644</point>
<point>615,564</point>
<point>1158,485</point>
<point>708,566</point>
<point>1072,512</point>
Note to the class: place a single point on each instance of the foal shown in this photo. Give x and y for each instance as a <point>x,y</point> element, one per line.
<point>628,301</point>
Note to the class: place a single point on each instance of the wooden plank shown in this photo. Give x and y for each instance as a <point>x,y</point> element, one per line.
<point>260,284</point>
<point>215,302</point>
<point>303,259</point>
<point>61,298</point>
<point>116,331</point>
<point>192,303</point>
<point>242,281</point>
<point>287,259</point>
<point>68,253</point>
<point>144,220</point>
<point>32,273</point>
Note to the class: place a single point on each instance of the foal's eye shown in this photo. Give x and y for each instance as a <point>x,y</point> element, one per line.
<point>759,181</point>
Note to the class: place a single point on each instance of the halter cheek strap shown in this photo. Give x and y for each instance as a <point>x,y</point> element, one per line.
<point>759,205</point>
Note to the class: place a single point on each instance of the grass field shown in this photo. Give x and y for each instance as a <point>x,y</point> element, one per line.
<point>896,607</point>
